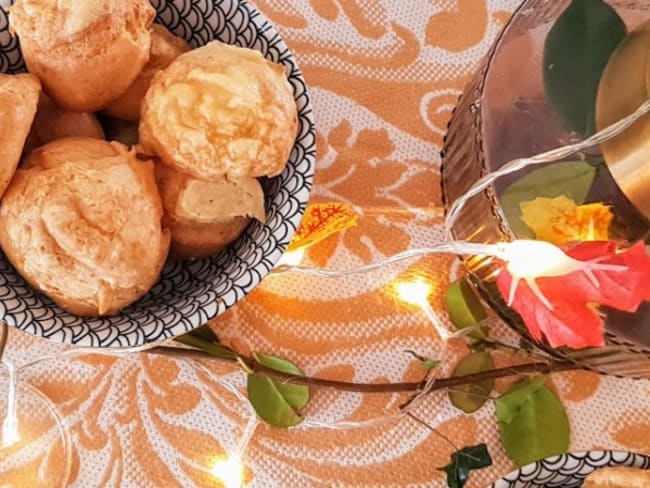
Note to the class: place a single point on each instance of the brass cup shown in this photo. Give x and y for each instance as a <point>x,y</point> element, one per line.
<point>625,85</point>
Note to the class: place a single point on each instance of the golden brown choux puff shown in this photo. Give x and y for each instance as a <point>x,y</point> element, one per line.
<point>206,216</point>
<point>81,222</point>
<point>53,122</point>
<point>618,477</point>
<point>18,101</point>
<point>165,48</point>
<point>86,53</point>
<point>218,111</point>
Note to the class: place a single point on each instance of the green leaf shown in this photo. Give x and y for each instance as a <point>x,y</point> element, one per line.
<point>211,348</point>
<point>533,423</point>
<point>575,55</point>
<point>296,395</point>
<point>430,364</point>
<point>469,398</point>
<point>426,362</point>
<point>572,179</point>
<point>269,402</point>
<point>206,333</point>
<point>277,364</point>
<point>465,309</point>
<point>463,462</point>
<point>511,403</point>
<point>277,403</point>
<point>478,346</point>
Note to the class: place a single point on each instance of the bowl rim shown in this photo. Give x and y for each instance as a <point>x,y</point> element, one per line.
<point>614,458</point>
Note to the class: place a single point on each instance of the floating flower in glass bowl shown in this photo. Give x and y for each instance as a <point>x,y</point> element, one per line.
<point>547,96</point>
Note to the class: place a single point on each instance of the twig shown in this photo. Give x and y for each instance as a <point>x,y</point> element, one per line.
<point>496,345</point>
<point>432,429</point>
<point>532,368</point>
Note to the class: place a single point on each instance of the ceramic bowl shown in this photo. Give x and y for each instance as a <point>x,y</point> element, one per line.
<point>191,293</point>
<point>569,470</point>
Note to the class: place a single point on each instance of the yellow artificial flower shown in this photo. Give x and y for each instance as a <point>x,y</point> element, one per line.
<point>559,220</point>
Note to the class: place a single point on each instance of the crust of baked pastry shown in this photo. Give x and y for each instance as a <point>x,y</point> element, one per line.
<point>86,54</point>
<point>218,111</point>
<point>195,241</point>
<point>18,101</point>
<point>81,222</point>
<point>618,477</point>
<point>204,217</point>
<point>53,122</point>
<point>165,48</point>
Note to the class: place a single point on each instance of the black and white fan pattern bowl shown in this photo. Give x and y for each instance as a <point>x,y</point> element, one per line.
<point>188,294</point>
<point>569,470</point>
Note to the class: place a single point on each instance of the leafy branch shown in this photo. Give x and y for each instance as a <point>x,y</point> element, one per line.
<point>279,391</point>
<point>542,368</point>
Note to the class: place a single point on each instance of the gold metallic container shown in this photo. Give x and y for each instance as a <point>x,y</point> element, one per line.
<point>626,85</point>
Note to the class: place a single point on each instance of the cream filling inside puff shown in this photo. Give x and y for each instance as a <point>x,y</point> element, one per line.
<point>209,202</point>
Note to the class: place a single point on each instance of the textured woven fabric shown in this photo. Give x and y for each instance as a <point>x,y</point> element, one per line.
<point>385,76</point>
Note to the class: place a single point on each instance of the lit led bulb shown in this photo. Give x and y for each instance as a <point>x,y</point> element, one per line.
<point>528,260</point>
<point>417,293</point>
<point>414,292</point>
<point>229,471</point>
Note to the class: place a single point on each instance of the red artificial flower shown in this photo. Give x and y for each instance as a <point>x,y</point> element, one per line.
<point>573,320</point>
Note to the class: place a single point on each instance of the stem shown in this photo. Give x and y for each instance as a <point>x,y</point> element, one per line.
<point>436,432</point>
<point>496,345</point>
<point>532,368</point>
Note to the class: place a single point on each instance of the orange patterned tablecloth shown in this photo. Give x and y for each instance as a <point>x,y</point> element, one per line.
<point>384,76</point>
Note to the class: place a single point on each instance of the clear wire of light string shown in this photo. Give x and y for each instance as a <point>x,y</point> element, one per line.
<point>9,423</point>
<point>455,209</point>
<point>450,247</point>
<point>461,247</point>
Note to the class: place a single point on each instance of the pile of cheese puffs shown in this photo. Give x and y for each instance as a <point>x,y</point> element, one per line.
<point>123,147</point>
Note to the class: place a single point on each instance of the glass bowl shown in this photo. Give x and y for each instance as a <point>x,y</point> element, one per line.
<point>505,114</point>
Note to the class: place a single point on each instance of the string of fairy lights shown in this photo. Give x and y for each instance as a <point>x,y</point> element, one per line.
<point>230,468</point>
